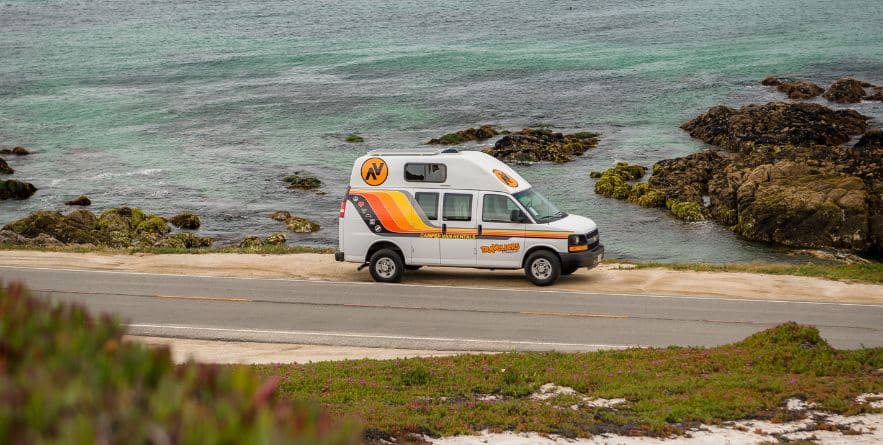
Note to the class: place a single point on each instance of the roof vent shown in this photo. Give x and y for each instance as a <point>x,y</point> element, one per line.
<point>450,150</point>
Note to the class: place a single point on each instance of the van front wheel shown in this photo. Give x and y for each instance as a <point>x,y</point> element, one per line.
<point>542,268</point>
<point>387,266</point>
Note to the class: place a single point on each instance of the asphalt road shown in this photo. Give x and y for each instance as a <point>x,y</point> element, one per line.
<point>433,317</point>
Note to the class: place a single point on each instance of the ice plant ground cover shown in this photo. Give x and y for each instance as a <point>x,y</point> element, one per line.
<point>666,391</point>
<point>67,377</point>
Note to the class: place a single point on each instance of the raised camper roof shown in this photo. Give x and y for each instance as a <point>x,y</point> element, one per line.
<point>435,168</point>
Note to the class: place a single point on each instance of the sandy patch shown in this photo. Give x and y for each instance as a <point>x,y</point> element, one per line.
<point>251,353</point>
<point>866,429</point>
<point>608,278</point>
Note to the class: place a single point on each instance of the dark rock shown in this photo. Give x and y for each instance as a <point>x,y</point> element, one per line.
<point>776,123</point>
<point>534,145</point>
<point>301,225</point>
<point>875,94</point>
<point>79,227</point>
<point>185,240</point>
<point>873,138</point>
<point>281,215</point>
<point>816,196</point>
<point>845,91</point>
<point>20,151</point>
<point>354,138</point>
<point>771,81</point>
<point>8,237</point>
<point>300,180</point>
<point>786,203</point>
<point>801,89</point>
<point>12,189</point>
<point>186,220</point>
<point>45,240</point>
<point>82,200</point>
<point>276,239</point>
<point>250,242</point>
<point>686,178</point>
<point>5,168</point>
<point>469,134</point>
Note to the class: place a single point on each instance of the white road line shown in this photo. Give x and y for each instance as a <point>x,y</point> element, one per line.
<point>504,289</point>
<point>376,336</point>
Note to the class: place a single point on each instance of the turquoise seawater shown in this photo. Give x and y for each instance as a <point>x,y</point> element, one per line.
<point>205,106</point>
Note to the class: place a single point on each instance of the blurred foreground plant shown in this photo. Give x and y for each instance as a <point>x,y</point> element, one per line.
<point>66,377</point>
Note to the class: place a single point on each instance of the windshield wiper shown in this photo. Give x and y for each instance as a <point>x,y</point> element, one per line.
<point>551,217</point>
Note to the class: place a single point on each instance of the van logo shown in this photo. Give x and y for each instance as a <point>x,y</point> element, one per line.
<point>505,179</point>
<point>374,171</point>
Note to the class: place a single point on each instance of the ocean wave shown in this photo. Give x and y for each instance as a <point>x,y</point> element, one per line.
<point>142,172</point>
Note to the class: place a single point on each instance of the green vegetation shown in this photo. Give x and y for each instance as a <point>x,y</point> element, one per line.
<point>300,180</point>
<point>686,210</point>
<point>186,220</point>
<point>270,249</point>
<point>665,389</point>
<point>66,377</point>
<point>613,183</point>
<point>867,273</point>
<point>301,225</point>
<point>354,138</point>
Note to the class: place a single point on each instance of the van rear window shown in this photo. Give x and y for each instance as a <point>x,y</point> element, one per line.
<point>426,172</point>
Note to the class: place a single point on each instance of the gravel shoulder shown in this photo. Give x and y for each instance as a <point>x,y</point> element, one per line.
<point>608,278</point>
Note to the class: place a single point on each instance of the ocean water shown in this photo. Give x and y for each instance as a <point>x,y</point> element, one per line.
<point>174,105</point>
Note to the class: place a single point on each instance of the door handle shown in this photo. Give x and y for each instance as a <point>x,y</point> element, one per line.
<point>444,228</point>
<point>479,229</point>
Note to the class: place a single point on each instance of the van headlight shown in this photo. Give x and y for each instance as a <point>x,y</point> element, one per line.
<point>577,243</point>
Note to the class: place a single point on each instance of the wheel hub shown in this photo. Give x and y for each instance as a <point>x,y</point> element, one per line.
<point>385,267</point>
<point>541,268</point>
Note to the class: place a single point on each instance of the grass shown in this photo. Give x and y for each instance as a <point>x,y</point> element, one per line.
<point>666,389</point>
<point>263,249</point>
<point>354,138</point>
<point>864,273</point>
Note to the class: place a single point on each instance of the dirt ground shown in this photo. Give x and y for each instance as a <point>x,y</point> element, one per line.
<point>607,278</point>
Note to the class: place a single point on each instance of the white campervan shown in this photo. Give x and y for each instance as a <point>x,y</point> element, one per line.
<point>408,209</point>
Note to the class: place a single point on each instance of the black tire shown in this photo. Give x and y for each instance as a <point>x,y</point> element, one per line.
<point>412,268</point>
<point>387,266</point>
<point>569,270</point>
<point>542,268</point>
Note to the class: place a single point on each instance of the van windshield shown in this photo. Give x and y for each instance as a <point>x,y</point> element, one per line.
<point>539,207</point>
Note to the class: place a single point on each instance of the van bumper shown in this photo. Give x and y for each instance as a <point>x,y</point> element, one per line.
<point>338,256</point>
<point>588,258</point>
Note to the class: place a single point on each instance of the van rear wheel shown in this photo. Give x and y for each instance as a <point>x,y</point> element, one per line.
<point>542,268</point>
<point>387,266</point>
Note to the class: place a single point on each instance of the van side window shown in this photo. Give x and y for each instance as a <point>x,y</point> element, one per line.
<point>497,208</point>
<point>429,203</point>
<point>426,172</point>
<point>458,207</point>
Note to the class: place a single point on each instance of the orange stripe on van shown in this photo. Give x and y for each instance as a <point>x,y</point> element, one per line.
<point>396,213</point>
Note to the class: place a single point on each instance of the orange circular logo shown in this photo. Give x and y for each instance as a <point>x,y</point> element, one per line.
<point>506,179</point>
<point>374,171</point>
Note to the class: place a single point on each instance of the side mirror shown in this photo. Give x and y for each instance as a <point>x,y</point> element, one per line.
<point>517,216</point>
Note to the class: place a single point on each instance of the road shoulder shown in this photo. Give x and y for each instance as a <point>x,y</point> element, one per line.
<point>608,278</point>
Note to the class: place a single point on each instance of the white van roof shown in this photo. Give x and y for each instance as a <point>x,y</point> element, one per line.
<point>466,170</point>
